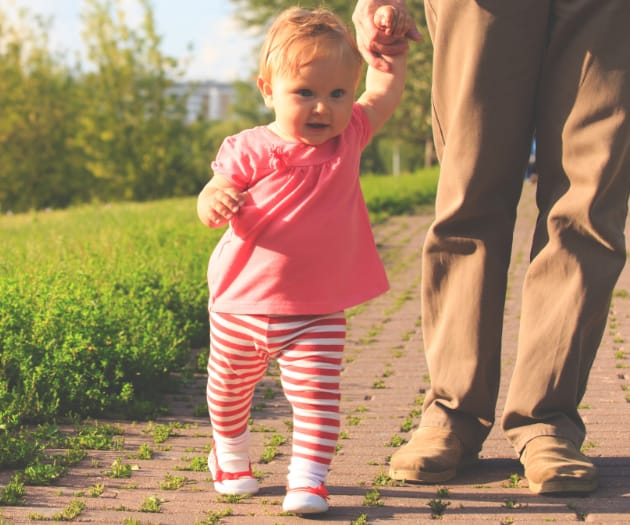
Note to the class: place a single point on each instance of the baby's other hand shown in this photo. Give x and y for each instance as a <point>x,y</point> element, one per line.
<point>221,205</point>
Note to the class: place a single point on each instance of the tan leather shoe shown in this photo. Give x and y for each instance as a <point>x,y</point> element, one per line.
<point>554,465</point>
<point>432,456</point>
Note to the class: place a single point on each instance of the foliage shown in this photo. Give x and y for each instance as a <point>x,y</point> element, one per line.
<point>115,131</point>
<point>151,504</point>
<point>37,108</point>
<point>99,306</point>
<point>13,492</point>
<point>396,195</point>
<point>138,127</point>
<point>27,452</point>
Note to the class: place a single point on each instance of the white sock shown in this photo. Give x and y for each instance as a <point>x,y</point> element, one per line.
<point>233,453</point>
<point>306,473</point>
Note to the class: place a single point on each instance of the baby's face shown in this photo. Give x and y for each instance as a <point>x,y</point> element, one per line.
<point>315,104</point>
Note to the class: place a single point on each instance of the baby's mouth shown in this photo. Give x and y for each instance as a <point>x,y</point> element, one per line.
<point>316,125</point>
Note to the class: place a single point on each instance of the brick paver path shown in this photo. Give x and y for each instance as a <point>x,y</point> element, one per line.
<point>384,379</point>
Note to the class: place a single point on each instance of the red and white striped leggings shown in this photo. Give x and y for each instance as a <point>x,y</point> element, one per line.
<point>309,352</point>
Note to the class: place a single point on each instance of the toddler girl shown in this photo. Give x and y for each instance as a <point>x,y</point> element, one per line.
<point>299,247</point>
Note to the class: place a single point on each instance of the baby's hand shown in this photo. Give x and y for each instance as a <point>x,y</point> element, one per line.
<point>219,205</point>
<point>383,28</point>
<point>392,21</point>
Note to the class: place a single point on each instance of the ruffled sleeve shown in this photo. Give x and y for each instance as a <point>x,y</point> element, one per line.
<point>242,158</point>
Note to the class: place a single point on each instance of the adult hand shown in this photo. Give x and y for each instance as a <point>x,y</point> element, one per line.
<point>376,43</point>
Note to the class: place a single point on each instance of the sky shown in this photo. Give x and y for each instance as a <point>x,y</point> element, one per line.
<point>222,51</point>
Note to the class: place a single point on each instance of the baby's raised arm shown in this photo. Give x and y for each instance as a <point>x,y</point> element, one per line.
<point>384,86</point>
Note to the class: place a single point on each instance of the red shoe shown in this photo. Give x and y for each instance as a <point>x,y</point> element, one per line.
<point>306,500</point>
<point>231,483</point>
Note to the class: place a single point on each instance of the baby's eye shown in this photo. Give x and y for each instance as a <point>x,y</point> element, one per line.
<point>338,93</point>
<point>304,92</point>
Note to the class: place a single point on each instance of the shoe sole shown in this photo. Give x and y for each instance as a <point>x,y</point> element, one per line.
<point>565,487</point>
<point>242,487</point>
<point>423,476</point>
<point>306,510</point>
<point>306,506</point>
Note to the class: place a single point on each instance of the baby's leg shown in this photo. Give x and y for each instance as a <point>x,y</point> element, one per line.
<point>310,368</point>
<point>235,366</point>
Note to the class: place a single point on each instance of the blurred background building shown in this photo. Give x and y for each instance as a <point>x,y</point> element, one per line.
<point>209,99</point>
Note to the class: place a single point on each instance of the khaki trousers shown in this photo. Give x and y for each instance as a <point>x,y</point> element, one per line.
<point>502,69</point>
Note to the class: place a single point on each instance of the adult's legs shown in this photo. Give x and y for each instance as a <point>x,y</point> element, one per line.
<point>583,160</point>
<point>487,58</point>
<point>486,63</point>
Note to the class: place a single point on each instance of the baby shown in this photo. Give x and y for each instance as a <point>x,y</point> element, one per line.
<point>299,248</point>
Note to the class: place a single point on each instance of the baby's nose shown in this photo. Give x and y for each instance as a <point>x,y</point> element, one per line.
<point>320,107</point>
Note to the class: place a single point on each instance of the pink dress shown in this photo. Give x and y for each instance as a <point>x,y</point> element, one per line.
<point>302,242</point>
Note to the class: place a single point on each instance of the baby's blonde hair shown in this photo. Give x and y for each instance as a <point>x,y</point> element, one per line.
<point>299,36</point>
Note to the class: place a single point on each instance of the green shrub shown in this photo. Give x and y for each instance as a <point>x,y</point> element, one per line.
<point>389,196</point>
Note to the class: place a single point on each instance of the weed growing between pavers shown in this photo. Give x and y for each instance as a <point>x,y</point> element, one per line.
<point>407,424</point>
<point>74,508</point>
<point>361,520</point>
<point>383,480</point>
<point>378,384</point>
<point>513,481</point>
<point>437,505</point>
<point>152,504</point>
<point>232,498</point>
<point>214,517</point>
<point>13,492</point>
<point>396,441</point>
<point>26,453</point>
<point>119,470</point>
<point>96,490</point>
<point>588,445</point>
<point>171,482</point>
<point>513,504</point>
<point>373,498</point>
<point>144,452</point>
<point>161,432</point>
<point>354,421</point>
<point>196,464</point>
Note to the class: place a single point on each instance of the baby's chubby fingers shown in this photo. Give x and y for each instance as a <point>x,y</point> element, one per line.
<point>384,29</point>
<point>231,198</point>
<point>225,204</point>
<point>392,21</point>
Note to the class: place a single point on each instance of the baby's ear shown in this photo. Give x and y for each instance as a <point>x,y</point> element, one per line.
<point>266,91</point>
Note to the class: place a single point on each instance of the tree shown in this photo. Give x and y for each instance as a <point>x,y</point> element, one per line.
<point>38,165</point>
<point>132,130</point>
<point>113,131</point>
